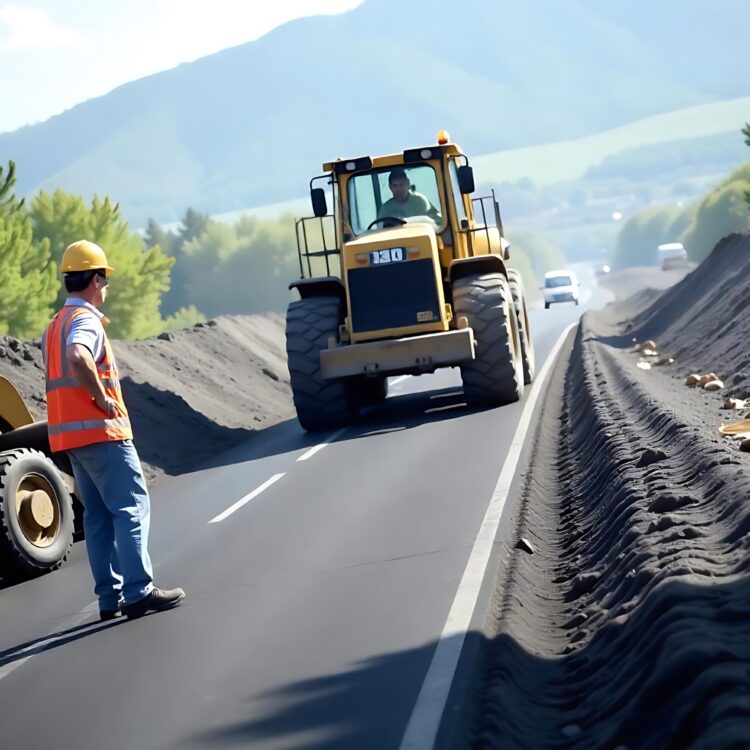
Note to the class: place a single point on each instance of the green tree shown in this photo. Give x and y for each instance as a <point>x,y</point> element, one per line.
<point>28,276</point>
<point>240,268</point>
<point>643,232</point>
<point>9,203</point>
<point>185,317</point>
<point>28,279</point>
<point>141,275</point>
<point>192,226</point>
<point>155,235</point>
<point>721,212</point>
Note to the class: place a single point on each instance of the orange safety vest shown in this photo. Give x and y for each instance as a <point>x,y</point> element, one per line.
<point>73,418</point>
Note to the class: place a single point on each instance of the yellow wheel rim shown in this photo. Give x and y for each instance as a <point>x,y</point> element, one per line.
<point>38,510</point>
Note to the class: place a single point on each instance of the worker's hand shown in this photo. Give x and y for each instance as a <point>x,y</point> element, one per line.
<point>107,405</point>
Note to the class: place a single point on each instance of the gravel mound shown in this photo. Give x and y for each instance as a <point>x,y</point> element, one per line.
<point>705,319</point>
<point>629,626</point>
<point>190,393</point>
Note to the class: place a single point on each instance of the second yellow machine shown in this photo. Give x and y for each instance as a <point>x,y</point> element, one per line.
<point>407,274</point>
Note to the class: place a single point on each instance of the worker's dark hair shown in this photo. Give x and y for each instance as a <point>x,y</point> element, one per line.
<point>77,281</point>
<point>397,174</point>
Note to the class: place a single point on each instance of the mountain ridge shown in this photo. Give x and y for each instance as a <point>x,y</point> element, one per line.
<point>250,124</point>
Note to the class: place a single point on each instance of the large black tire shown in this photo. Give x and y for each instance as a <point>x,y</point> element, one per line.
<point>27,546</point>
<point>373,390</point>
<point>495,376</point>
<point>524,329</point>
<point>321,404</point>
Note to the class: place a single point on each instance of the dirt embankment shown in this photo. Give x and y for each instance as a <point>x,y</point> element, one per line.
<point>629,626</point>
<point>191,393</point>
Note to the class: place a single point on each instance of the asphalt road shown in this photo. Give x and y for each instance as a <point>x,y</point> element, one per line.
<point>313,609</point>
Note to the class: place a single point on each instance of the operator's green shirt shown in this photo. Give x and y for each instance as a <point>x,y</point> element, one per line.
<point>415,205</point>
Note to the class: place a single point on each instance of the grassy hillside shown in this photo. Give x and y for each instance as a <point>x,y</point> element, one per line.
<point>569,160</point>
<point>247,126</point>
<point>698,140</point>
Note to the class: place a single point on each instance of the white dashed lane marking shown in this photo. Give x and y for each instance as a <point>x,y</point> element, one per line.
<point>246,499</point>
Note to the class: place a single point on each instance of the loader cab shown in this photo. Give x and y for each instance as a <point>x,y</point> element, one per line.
<point>388,197</point>
<point>357,197</point>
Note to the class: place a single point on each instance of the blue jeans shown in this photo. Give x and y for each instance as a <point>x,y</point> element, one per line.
<point>116,520</point>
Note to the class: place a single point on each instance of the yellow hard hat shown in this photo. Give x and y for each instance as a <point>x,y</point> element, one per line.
<point>84,256</point>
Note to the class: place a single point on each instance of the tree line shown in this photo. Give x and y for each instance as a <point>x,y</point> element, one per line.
<point>33,238</point>
<point>164,279</point>
<point>699,226</point>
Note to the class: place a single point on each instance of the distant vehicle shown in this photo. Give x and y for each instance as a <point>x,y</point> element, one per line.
<point>602,270</point>
<point>560,286</point>
<point>672,255</point>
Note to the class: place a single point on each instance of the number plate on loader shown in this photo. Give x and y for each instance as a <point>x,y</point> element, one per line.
<point>390,255</point>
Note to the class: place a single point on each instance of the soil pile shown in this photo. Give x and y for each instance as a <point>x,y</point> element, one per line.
<point>190,393</point>
<point>629,626</point>
<point>705,319</point>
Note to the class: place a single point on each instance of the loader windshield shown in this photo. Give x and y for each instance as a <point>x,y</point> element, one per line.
<point>403,194</point>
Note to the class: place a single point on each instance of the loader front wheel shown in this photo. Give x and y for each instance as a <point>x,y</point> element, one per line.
<point>524,329</point>
<point>495,376</point>
<point>320,404</point>
<point>36,514</point>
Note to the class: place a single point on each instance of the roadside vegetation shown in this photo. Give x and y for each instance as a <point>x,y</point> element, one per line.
<point>165,279</point>
<point>698,225</point>
<point>32,240</point>
<point>206,267</point>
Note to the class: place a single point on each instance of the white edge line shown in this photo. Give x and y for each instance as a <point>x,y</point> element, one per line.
<point>399,379</point>
<point>424,722</point>
<point>246,499</point>
<point>310,453</point>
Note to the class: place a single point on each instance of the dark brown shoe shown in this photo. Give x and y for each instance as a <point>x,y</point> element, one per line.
<point>156,600</point>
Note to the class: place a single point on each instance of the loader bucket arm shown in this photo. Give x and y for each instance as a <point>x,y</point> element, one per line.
<point>13,410</point>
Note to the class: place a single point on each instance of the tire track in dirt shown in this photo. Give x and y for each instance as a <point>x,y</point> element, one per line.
<point>630,625</point>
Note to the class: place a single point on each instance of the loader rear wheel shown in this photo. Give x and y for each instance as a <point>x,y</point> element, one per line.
<point>36,513</point>
<point>524,329</point>
<point>321,404</point>
<point>495,375</point>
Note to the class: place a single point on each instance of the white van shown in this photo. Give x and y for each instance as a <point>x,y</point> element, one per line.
<point>560,286</point>
<point>672,255</point>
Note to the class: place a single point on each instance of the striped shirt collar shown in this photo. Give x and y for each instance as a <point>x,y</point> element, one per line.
<point>78,302</point>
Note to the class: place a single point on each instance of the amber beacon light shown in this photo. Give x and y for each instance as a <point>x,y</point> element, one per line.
<point>443,137</point>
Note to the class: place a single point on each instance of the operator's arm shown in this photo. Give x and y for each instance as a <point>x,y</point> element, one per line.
<point>423,207</point>
<point>81,361</point>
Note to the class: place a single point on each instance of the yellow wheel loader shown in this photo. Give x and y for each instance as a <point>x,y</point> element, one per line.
<point>36,493</point>
<point>406,274</point>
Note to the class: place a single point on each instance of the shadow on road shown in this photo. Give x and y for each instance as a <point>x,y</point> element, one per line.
<point>402,412</point>
<point>673,674</point>
<point>174,437</point>
<point>54,641</point>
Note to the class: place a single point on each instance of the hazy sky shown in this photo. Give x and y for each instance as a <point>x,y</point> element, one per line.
<point>56,53</point>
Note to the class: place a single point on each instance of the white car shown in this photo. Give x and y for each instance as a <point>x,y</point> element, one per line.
<point>672,255</point>
<point>560,286</point>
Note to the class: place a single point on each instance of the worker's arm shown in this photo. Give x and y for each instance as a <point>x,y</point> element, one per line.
<point>82,363</point>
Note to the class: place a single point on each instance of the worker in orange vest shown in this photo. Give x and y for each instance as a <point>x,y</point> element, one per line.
<point>88,420</point>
